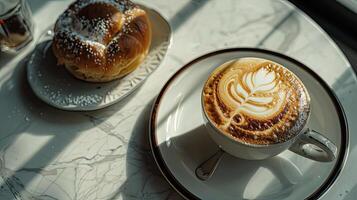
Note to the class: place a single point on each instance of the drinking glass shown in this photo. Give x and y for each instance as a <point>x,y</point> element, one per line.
<point>16,25</point>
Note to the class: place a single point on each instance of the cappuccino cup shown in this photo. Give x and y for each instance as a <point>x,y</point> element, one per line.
<point>255,108</point>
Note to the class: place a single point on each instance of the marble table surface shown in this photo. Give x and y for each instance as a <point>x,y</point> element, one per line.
<point>46,153</point>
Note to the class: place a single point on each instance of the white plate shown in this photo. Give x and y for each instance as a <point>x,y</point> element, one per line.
<point>180,143</point>
<point>55,86</point>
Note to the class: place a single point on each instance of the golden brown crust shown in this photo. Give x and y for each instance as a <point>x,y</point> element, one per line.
<point>102,40</point>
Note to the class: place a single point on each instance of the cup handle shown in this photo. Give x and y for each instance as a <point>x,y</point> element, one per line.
<point>315,146</point>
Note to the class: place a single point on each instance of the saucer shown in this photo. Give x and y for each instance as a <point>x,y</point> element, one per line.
<point>57,87</point>
<point>180,142</point>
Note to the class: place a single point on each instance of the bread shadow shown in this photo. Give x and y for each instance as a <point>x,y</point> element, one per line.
<point>23,115</point>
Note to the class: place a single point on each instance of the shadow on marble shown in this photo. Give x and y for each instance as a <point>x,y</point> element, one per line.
<point>349,194</point>
<point>18,115</point>
<point>38,4</point>
<point>289,26</point>
<point>27,116</point>
<point>345,81</point>
<point>186,12</point>
<point>5,58</point>
<point>144,180</point>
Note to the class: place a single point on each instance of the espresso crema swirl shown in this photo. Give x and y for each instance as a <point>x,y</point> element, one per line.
<point>256,101</point>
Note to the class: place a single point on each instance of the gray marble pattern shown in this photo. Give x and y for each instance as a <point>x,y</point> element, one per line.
<point>46,153</point>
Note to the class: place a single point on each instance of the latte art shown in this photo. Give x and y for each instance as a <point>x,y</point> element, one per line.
<point>255,93</point>
<point>256,101</point>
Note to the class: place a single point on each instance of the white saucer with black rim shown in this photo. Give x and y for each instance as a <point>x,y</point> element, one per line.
<point>180,142</point>
<point>57,87</point>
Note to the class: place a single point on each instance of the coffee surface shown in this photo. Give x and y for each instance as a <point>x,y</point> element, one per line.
<point>256,101</point>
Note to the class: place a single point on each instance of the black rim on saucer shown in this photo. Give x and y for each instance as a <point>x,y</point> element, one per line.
<point>340,160</point>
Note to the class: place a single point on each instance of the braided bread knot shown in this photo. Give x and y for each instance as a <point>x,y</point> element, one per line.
<point>101,40</point>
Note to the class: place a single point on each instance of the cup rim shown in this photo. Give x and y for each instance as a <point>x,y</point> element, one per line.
<point>217,130</point>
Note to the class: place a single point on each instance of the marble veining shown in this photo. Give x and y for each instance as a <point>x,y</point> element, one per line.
<point>47,153</point>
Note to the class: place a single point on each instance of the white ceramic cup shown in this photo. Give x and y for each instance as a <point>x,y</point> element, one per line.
<point>307,143</point>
